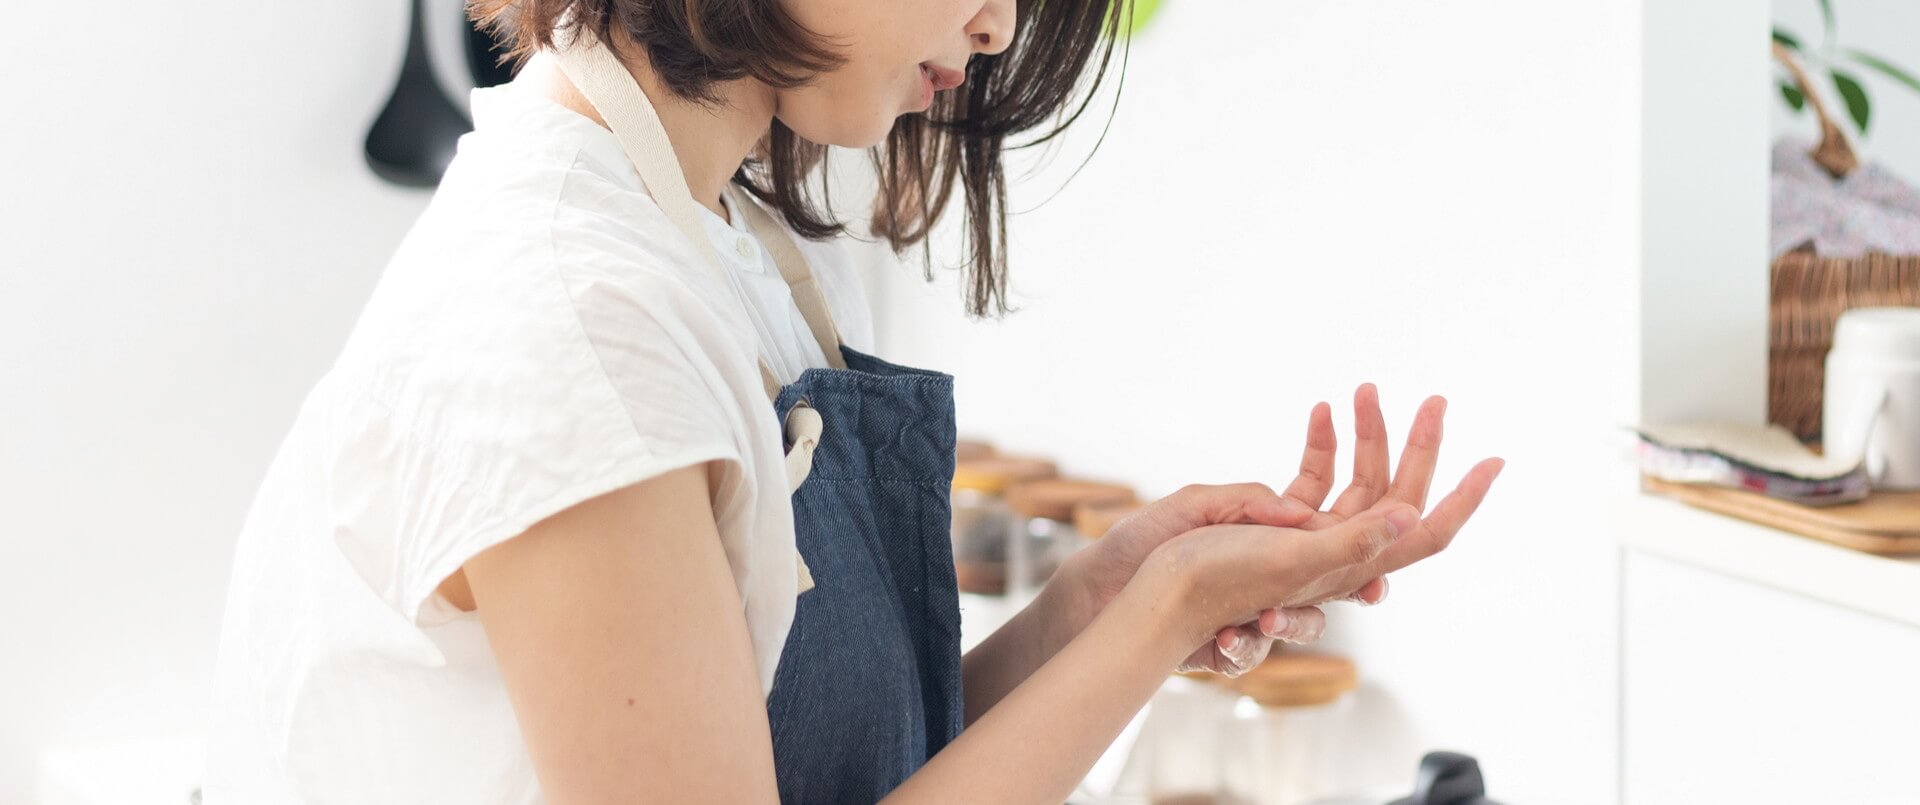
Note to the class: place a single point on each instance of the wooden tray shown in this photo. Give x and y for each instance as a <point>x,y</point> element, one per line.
<point>1885,523</point>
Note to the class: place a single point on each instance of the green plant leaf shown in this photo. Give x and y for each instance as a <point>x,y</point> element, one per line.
<point>1856,98</point>
<point>1138,13</point>
<point>1884,67</point>
<point>1826,12</point>
<point>1795,98</point>
<point>1787,39</point>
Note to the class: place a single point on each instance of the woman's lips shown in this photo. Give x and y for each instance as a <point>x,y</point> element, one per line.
<point>943,78</point>
<point>934,78</point>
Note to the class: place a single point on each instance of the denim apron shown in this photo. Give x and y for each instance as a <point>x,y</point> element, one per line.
<point>868,684</point>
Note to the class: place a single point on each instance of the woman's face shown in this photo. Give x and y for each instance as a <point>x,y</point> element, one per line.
<point>897,54</point>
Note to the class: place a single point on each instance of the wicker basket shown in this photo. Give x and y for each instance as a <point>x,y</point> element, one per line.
<point>1808,294</point>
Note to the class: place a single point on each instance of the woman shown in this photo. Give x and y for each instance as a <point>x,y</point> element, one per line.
<point>538,536</point>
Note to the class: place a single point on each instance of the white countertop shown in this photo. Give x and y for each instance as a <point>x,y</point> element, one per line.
<point>1879,585</point>
<point>139,770</point>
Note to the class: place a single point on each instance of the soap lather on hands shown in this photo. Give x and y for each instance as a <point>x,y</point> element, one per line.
<point>1231,544</point>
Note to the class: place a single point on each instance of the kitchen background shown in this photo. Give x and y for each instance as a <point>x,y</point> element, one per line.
<point>1553,213</point>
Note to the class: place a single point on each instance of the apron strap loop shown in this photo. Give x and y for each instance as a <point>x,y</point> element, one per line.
<point>803,428</point>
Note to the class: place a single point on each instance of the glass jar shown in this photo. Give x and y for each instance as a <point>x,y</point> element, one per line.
<point>1094,520</point>
<point>982,521</point>
<point>1282,744</point>
<point>1044,535</point>
<point>972,449</point>
<point>1176,760</point>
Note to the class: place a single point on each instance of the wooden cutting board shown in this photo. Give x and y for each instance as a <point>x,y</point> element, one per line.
<point>1885,523</point>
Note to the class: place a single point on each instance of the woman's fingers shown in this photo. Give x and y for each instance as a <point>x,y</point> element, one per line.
<point>1280,512</point>
<point>1197,505</point>
<point>1414,477</point>
<point>1373,592</point>
<point>1318,565</point>
<point>1297,625</point>
<point>1233,651</point>
<point>1315,480</point>
<point>1370,459</point>
<point>1439,528</point>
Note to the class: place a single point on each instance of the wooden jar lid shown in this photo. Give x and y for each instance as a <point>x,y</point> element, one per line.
<point>994,474</point>
<point>970,450</point>
<point>1291,679</point>
<point>1054,498</point>
<point>1093,520</point>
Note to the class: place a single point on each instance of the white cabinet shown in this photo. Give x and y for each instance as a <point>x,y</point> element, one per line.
<point>1736,690</point>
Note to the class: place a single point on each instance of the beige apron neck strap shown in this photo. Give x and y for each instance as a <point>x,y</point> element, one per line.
<point>793,268</point>
<point>606,84</point>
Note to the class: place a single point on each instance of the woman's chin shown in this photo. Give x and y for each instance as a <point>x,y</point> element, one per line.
<point>865,133</point>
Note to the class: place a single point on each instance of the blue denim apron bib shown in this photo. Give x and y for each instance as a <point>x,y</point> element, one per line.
<point>868,684</point>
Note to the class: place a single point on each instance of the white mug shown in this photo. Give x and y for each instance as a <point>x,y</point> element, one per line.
<point>1872,395</point>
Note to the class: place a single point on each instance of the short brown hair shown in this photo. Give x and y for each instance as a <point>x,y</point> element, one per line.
<point>1030,87</point>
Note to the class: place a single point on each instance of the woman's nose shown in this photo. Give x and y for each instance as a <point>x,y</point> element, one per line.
<point>992,28</point>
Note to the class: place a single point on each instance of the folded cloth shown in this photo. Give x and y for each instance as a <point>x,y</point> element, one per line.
<point>1870,211</point>
<point>1764,459</point>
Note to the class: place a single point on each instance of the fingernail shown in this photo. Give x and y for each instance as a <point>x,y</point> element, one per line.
<point>1280,623</point>
<point>1403,520</point>
<point>1362,600</point>
<point>1236,646</point>
<point>1294,508</point>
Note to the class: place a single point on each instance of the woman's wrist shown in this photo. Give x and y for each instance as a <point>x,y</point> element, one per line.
<point>1050,621</point>
<point>1069,598</point>
<point>1152,607</point>
<point>1057,614</point>
<point>1161,592</point>
<point>1158,591</point>
<point>1041,732</point>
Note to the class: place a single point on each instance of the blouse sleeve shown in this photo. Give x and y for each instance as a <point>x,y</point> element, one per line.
<point>474,404</point>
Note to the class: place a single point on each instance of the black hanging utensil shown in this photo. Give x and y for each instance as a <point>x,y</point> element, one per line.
<point>414,137</point>
<point>483,58</point>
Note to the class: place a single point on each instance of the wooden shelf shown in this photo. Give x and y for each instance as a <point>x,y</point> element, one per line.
<point>1884,586</point>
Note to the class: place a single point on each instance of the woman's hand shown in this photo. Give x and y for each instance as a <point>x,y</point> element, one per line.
<point>1371,486</point>
<point>1104,569</point>
<point>1187,588</point>
<point>1221,575</point>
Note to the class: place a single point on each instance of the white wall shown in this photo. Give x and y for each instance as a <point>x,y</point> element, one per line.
<point>1703,299</point>
<point>1298,197</point>
<point>188,233</point>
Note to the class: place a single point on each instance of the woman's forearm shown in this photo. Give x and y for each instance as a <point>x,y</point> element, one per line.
<point>1020,646</point>
<point>1041,738</point>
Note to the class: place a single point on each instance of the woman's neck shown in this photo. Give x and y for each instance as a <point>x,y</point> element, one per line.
<point>710,141</point>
